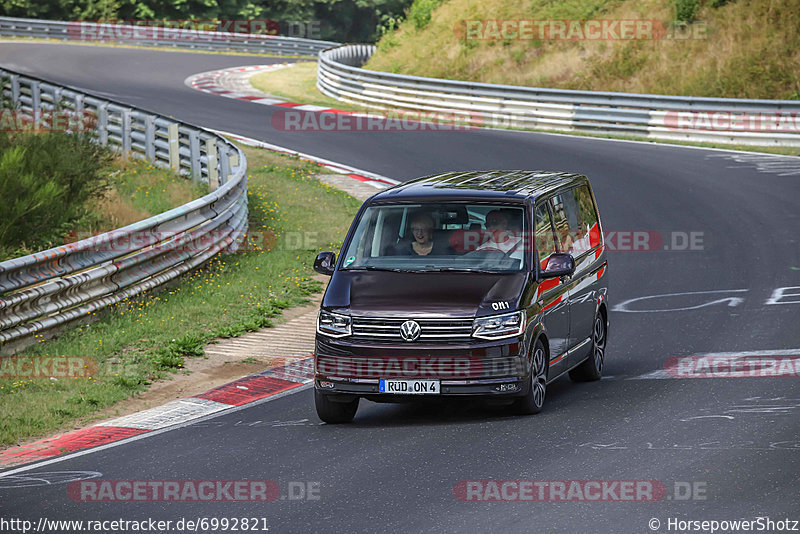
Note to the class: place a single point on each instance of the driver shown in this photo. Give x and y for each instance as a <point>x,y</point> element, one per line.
<point>501,237</point>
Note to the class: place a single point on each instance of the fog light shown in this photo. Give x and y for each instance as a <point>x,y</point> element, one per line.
<point>325,384</point>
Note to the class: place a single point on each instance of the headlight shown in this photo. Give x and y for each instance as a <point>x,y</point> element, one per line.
<point>333,324</point>
<point>499,326</point>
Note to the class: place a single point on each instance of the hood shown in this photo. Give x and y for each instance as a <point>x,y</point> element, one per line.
<point>445,294</point>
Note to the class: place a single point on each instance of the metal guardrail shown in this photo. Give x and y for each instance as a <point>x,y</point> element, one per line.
<point>79,31</point>
<point>738,121</point>
<point>57,286</point>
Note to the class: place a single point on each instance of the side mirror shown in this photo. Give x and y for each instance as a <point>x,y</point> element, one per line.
<point>558,264</point>
<point>325,263</point>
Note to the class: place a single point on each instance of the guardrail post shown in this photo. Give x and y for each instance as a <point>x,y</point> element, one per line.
<point>36,104</point>
<point>173,137</point>
<point>150,137</point>
<point>57,96</point>
<point>224,165</point>
<point>78,102</point>
<point>194,154</point>
<point>15,91</point>
<point>126,133</point>
<point>102,123</point>
<point>213,173</point>
<point>233,160</point>
<point>36,95</point>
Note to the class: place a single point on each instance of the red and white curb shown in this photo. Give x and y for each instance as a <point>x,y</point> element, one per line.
<point>210,82</point>
<point>292,374</point>
<point>376,180</point>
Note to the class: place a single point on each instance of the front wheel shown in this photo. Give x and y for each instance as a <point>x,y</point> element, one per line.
<point>533,401</point>
<point>334,411</point>
<point>592,368</point>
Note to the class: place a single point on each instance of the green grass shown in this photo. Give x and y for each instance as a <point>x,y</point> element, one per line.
<point>737,49</point>
<point>297,84</point>
<point>146,338</point>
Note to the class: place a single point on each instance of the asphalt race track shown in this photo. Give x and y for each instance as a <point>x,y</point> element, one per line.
<point>395,468</point>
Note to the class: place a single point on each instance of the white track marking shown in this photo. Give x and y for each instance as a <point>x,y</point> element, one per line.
<point>732,301</point>
<point>168,414</point>
<point>340,168</point>
<point>766,164</point>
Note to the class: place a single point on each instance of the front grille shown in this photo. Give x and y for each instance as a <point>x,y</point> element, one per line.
<point>431,330</point>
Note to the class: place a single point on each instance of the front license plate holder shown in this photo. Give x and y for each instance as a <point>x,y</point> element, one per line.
<point>400,386</point>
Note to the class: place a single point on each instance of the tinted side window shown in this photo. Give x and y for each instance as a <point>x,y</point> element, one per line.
<point>588,232</point>
<point>586,207</point>
<point>565,220</point>
<point>545,242</point>
<point>576,222</point>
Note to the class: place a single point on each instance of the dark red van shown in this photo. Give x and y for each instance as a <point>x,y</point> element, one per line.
<point>465,283</point>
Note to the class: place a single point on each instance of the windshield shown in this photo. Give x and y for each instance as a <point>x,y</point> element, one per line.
<point>456,236</point>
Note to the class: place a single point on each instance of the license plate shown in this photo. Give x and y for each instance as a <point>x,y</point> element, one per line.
<point>409,387</point>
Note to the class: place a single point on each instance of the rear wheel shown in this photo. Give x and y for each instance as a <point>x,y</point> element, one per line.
<point>335,409</point>
<point>592,368</point>
<point>533,401</point>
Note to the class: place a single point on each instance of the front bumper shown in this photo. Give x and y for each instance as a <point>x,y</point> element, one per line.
<point>487,368</point>
<point>369,388</point>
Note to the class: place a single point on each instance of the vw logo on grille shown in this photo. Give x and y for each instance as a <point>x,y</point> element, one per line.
<point>410,330</point>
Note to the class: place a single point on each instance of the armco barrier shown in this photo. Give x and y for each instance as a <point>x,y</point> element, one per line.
<point>54,287</point>
<point>79,31</point>
<point>722,120</point>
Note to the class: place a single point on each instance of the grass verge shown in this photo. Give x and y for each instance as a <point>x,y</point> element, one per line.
<point>147,338</point>
<point>734,48</point>
<point>297,84</point>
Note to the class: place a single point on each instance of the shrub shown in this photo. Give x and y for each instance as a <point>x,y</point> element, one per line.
<point>420,12</point>
<point>686,10</point>
<point>47,180</point>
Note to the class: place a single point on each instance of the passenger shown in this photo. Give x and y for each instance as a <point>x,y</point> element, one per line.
<point>422,232</point>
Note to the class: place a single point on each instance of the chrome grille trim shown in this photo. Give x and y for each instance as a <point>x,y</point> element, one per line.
<point>432,329</point>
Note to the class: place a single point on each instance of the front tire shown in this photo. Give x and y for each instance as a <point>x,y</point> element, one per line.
<point>533,401</point>
<point>592,369</point>
<point>334,411</point>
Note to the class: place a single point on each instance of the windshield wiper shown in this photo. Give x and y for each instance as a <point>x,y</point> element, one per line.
<point>373,268</point>
<point>457,270</point>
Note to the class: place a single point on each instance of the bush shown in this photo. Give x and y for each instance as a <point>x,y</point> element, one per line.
<point>686,10</point>
<point>47,180</point>
<point>420,12</point>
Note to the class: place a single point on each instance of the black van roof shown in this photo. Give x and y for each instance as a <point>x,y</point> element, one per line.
<point>480,184</point>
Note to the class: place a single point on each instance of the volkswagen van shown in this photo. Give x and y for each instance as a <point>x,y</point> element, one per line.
<point>489,284</point>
